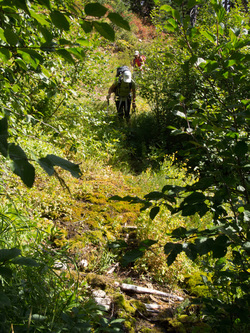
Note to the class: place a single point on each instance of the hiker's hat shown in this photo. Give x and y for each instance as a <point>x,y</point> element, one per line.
<point>137,53</point>
<point>127,77</point>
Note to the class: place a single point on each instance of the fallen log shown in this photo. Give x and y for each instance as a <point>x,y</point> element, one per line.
<point>143,290</point>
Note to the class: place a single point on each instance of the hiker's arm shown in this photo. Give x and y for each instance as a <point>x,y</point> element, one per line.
<point>111,90</point>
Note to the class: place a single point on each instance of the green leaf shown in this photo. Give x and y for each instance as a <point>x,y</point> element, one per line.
<point>172,250</point>
<point>220,13</point>
<point>220,246</point>
<point>22,64</point>
<point>10,36</point>
<point>65,55</point>
<point>173,189</point>
<point>20,166</point>
<point>5,54</point>
<point>211,37</point>
<point>45,3</point>
<point>153,212</point>
<point>46,165</point>
<point>166,8</point>
<point>61,162</point>
<point>246,247</point>
<point>179,114</point>
<point>32,53</point>
<point>23,261</point>
<point>87,26</point>
<point>145,244</point>
<point>119,244</point>
<point>59,20</point>
<point>40,18</point>
<point>241,148</point>
<point>168,248</point>
<point>173,22</point>
<point>192,3</point>
<point>169,27</point>
<point>25,171</point>
<point>21,4</point>
<point>204,245</point>
<point>4,136</point>
<point>119,20</point>
<point>8,254</point>
<point>155,195</point>
<point>127,198</point>
<point>4,299</point>
<point>5,272</point>
<point>105,30</point>
<point>179,233</point>
<point>131,256</point>
<point>176,15</point>
<point>95,9</point>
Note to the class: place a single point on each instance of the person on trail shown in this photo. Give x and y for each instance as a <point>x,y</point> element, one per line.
<point>138,61</point>
<point>125,92</point>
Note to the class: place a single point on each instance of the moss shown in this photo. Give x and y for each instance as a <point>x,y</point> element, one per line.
<point>195,285</point>
<point>124,304</point>
<point>60,238</point>
<point>96,280</point>
<point>139,306</point>
<point>177,326</point>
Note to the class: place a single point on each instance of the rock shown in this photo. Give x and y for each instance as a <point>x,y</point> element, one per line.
<point>101,298</point>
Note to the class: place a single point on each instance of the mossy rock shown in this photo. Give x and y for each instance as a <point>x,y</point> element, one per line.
<point>96,281</point>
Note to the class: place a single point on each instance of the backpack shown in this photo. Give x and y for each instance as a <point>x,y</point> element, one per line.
<point>120,70</point>
<point>122,89</point>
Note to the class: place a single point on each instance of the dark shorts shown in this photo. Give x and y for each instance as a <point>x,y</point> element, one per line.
<point>123,107</point>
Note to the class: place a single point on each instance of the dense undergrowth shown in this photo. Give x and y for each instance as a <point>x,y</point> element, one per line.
<point>61,236</point>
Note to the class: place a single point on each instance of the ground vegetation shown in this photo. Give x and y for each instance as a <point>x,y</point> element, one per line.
<point>92,207</point>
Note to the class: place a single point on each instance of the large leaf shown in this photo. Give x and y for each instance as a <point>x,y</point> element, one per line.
<point>194,203</point>
<point>25,171</point>
<point>21,4</point>
<point>59,20</point>
<point>179,233</point>
<point>241,148</point>
<point>5,272</point>
<point>153,212</point>
<point>5,54</point>
<point>66,55</point>
<point>46,165</point>
<point>4,300</point>
<point>23,261</point>
<point>10,36</point>
<point>145,244</point>
<point>8,254</point>
<point>32,53</point>
<point>220,246</point>
<point>3,136</point>
<point>105,30</point>
<point>49,161</point>
<point>209,36</point>
<point>119,20</point>
<point>87,26</point>
<point>95,9</point>
<point>131,256</point>
<point>46,3</point>
<point>172,250</point>
<point>20,165</point>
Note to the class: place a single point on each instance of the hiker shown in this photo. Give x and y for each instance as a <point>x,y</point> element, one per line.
<point>138,61</point>
<point>123,88</point>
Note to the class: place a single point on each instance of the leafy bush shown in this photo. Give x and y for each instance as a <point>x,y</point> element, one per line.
<point>214,129</point>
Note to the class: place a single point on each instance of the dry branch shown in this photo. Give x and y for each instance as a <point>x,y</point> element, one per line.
<point>143,290</point>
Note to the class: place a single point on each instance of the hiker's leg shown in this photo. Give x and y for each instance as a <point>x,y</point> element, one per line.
<point>119,109</point>
<point>127,108</point>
